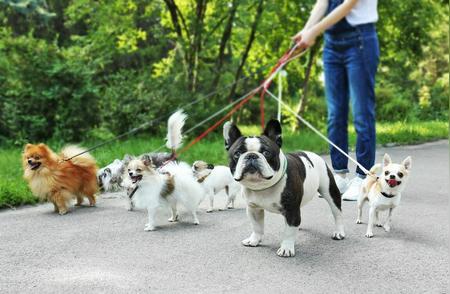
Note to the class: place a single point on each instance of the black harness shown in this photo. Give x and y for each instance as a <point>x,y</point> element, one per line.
<point>132,192</point>
<point>384,194</point>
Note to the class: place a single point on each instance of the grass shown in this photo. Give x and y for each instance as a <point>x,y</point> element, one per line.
<point>14,191</point>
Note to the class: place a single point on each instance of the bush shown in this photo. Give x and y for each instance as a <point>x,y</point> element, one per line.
<point>45,91</point>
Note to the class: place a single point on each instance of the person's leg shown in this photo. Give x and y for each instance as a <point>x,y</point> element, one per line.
<point>337,94</point>
<point>361,63</point>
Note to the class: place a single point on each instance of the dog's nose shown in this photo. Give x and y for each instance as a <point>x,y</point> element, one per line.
<point>251,156</point>
<point>30,161</point>
<point>392,176</point>
<point>131,174</point>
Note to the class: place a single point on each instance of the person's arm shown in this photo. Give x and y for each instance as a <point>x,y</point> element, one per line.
<point>306,37</point>
<point>317,13</point>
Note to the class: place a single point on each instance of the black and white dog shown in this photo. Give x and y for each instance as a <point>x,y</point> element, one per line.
<point>278,182</point>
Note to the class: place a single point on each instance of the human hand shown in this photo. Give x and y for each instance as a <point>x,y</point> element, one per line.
<point>305,38</point>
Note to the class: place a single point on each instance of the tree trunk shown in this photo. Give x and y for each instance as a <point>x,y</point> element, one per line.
<point>259,11</point>
<point>173,10</point>
<point>196,46</point>
<point>223,43</point>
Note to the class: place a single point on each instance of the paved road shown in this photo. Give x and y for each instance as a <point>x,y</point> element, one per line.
<point>105,249</point>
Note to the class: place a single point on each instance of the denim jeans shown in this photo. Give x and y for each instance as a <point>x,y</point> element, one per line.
<point>350,61</point>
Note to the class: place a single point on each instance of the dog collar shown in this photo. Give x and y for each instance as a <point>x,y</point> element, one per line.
<point>278,176</point>
<point>387,195</point>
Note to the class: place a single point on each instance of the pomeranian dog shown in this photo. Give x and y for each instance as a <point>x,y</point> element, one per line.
<point>52,178</point>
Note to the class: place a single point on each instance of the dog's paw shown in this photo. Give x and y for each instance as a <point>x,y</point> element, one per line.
<point>387,228</point>
<point>369,234</point>
<point>379,225</point>
<point>62,212</point>
<point>287,249</point>
<point>209,210</point>
<point>196,223</point>
<point>149,228</point>
<point>78,204</point>
<point>338,236</point>
<point>173,219</point>
<point>230,207</point>
<point>358,221</point>
<point>252,241</point>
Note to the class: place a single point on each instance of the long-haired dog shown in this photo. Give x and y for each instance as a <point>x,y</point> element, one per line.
<point>174,140</point>
<point>215,178</point>
<point>57,180</point>
<point>383,192</point>
<point>157,190</point>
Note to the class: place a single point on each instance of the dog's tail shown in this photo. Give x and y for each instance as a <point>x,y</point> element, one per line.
<point>174,130</point>
<point>83,160</point>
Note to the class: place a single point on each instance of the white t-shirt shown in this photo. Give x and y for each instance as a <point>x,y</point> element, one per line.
<point>364,11</point>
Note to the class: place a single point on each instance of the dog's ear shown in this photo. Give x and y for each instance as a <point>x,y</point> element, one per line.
<point>273,131</point>
<point>210,166</point>
<point>230,133</point>
<point>28,146</point>
<point>386,160</point>
<point>44,148</point>
<point>147,160</point>
<point>407,163</point>
<point>127,158</point>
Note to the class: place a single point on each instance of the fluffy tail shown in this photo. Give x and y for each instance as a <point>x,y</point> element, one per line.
<point>83,160</point>
<point>174,129</point>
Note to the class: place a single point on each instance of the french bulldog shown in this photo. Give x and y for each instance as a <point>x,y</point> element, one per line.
<point>278,182</point>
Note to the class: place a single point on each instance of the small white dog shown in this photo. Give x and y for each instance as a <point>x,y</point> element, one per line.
<point>115,176</point>
<point>383,192</point>
<point>215,179</point>
<point>155,190</point>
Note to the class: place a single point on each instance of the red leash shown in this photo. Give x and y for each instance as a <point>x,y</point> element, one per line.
<point>280,62</point>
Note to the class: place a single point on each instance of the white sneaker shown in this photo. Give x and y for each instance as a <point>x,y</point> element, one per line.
<point>342,183</point>
<point>353,190</point>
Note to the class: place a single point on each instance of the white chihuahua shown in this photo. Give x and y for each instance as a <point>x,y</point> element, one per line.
<point>383,192</point>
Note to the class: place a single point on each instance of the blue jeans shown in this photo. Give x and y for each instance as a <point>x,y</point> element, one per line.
<point>350,63</point>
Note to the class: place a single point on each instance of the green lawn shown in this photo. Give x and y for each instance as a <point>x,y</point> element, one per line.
<point>14,191</point>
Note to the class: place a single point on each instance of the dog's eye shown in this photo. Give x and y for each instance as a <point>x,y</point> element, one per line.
<point>400,174</point>
<point>266,153</point>
<point>37,157</point>
<point>237,155</point>
<point>139,170</point>
<point>386,173</point>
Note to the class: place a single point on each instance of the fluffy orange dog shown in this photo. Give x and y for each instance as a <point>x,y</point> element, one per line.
<point>58,181</point>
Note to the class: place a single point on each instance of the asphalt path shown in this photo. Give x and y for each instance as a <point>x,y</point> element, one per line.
<point>106,250</point>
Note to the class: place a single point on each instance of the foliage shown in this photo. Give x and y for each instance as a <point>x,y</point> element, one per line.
<point>87,69</point>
